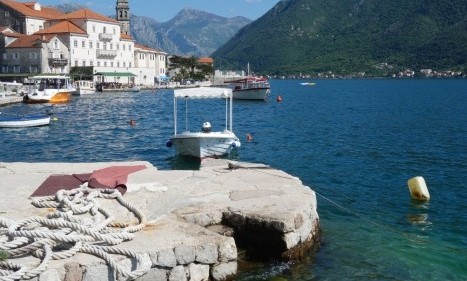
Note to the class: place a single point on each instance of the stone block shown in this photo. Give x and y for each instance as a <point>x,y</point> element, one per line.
<point>198,272</point>
<point>166,258</point>
<point>207,253</point>
<point>224,270</point>
<point>291,239</point>
<point>185,254</point>
<point>227,250</point>
<point>154,274</point>
<point>98,272</point>
<point>178,273</point>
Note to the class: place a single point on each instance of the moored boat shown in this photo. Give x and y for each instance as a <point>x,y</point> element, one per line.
<point>84,87</point>
<point>21,121</point>
<point>49,89</point>
<point>250,88</point>
<point>204,143</point>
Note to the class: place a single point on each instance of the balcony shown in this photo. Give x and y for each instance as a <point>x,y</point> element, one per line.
<point>58,62</point>
<point>106,53</point>
<point>105,36</point>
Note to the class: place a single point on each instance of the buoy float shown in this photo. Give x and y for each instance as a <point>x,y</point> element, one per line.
<point>55,119</point>
<point>132,122</point>
<point>279,99</point>
<point>249,137</point>
<point>418,189</point>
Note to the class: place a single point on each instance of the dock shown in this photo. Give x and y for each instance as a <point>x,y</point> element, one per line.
<point>168,225</point>
<point>5,100</point>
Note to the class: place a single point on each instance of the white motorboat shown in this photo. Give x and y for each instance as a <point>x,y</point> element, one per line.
<point>84,87</point>
<point>21,121</point>
<point>204,143</point>
<point>250,88</point>
<point>49,89</point>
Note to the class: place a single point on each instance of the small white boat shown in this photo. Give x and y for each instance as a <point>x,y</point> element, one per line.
<point>250,88</point>
<point>205,143</point>
<point>49,89</point>
<point>84,87</point>
<point>21,121</point>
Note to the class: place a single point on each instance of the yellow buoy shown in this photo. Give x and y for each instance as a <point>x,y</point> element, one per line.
<point>418,189</point>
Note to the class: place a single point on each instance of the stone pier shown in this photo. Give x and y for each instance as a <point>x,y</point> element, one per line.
<point>193,222</point>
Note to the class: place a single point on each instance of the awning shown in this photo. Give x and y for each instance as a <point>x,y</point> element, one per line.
<point>115,74</point>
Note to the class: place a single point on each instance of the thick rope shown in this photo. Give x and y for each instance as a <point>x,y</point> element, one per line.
<point>78,224</point>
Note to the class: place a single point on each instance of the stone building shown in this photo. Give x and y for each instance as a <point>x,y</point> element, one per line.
<point>54,42</point>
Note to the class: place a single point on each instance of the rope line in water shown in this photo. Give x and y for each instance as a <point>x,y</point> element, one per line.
<point>408,236</point>
<point>74,226</point>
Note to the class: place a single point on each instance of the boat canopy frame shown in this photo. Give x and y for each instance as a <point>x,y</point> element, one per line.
<point>203,93</point>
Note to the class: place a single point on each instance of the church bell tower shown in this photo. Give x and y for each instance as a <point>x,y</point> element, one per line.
<point>123,16</point>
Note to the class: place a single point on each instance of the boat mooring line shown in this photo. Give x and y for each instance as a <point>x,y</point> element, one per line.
<point>401,233</point>
<point>350,211</point>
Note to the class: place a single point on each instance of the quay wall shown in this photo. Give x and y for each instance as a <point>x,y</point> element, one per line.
<point>168,225</point>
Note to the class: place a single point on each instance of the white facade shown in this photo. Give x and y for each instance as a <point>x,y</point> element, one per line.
<point>34,25</point>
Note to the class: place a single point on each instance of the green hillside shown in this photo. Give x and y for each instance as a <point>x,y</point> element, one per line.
<point>351,36</point>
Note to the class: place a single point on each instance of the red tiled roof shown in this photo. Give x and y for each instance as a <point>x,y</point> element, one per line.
<point>146,48</point>
<point>7,31</point>
<point>62,27</point>
<point>29,41</point>
<point>87,14</point>
<point>206,60</point>
<point>123,36</point>
<point>26,9</point>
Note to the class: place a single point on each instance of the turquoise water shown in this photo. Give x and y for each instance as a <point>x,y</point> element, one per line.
<point>355,142</point>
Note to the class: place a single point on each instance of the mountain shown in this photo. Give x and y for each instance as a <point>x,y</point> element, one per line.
<point>190,32</point>
<point>351,36</point>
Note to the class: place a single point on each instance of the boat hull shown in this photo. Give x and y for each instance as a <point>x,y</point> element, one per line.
<point>23,121</point>
<point>84,92</point>
<point>61,97</point>
<point>251,94</point>
<point>202,145</point>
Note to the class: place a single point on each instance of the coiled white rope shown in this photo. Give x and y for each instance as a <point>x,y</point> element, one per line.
<point>65,233</point>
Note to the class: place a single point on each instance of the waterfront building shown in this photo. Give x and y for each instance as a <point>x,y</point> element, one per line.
<point>76,43</point>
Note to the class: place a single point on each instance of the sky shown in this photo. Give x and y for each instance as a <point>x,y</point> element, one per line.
<point>163,11</point>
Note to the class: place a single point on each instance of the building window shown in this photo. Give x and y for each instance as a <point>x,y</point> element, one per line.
<point>76,63</point>
<point>75,43</point>
<point>17,69</point>
<point>118,64</point>
<point>129,65</point>
<point>90,44</point>
<point>98,63</point>
<point>33,69</point>
<point>7,13</point>
<point>55,44</point>
<point>129,47</point>
<point>124,64</point>
<point>123,46</point>
<point>111,46</point>
<point>91,63</point>
<point>83,44</point>
<point>4,69</point>
<point>111,64</point>
<point>94,29</point>
<point>114,30</point>
<point>5,56</point>
<point>33,56</point>
<point>104,30</point>
<point>16,56</point>
<point>98,45</point>
<point>118,47</point>
<point>84,63</point>
<point>105,64</point>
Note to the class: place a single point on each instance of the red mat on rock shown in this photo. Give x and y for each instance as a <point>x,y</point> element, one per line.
<point>110,177</point>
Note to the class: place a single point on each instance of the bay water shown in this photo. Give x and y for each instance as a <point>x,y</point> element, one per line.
<point>355,142</point>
